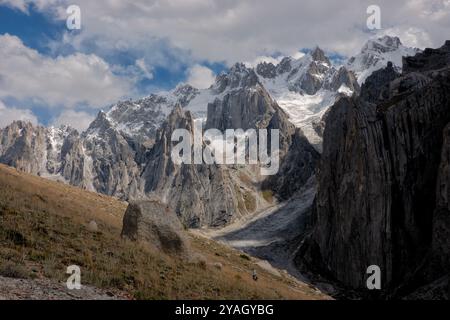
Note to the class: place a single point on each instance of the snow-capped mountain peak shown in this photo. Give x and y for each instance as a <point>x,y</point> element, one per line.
<point>238,76</point>
<point>375,55</point>
<point>305,87</point>
<point>319,55</point>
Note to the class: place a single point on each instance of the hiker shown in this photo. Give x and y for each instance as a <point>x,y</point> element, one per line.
<point>255,276</point>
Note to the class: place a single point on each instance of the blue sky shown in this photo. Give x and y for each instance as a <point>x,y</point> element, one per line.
<point>40,31</point>
<point>35,29</point>
<point>51,75</point>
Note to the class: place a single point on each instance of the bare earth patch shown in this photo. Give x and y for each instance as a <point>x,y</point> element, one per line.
<point>44,289</point>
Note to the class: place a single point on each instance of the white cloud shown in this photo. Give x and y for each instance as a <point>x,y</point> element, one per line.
<point>66,81</point>
<point>297,55</point>
<point>23,5</point>
<point>140,63</point>
<point>240,30</point>
<point>269,59</point>
<point>8,115</point>
<point>200,77</point>
<point>410,36</point>
<point>17,4</point>
<point>261,59</point>
<point>79,120</point>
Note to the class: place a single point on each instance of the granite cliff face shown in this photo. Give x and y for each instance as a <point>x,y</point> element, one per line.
<point>440,249</point>
<point>245,105</point>
<point>382,180</point>
<point>200,194</point>
<point>297,167</point>
<point>34,149</point>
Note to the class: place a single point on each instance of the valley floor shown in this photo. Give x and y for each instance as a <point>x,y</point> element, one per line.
<point>273,234</point>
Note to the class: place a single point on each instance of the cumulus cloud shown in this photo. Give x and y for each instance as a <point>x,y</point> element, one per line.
<point>66,81</point>
<point>177,34</point>
<point>79,120</point>
<point>8,115</point>
<point>147,73</point>
<point>18,4</point>
<point>261,59</point>
<point>240,30</point>
<point>273,60</point>
<point>23,5</point>
<point>200,77</point>
<point>410,36</point>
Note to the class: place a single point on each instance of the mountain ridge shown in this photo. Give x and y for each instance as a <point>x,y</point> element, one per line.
<point>112,155</point>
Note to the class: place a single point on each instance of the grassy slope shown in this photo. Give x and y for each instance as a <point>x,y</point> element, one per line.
<point>43,230</point>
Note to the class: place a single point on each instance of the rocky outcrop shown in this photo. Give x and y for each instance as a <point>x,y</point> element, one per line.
<point>318,55</point>
<point>243,109</point>
<point>109,161</point>
<point>34,149</point>
<point>245,103</point>
<point>319,126</point>
<point>440,248</point>
<point>309,74</point>
<point>376,202</point>
<point>430,59</point>
<point>297,167</point>
<point>155,223</point>
<point>200,194</point>
<point>98,160</point>
<point>305,88</point>
<point>342,78</point>
<point>316,72</point>
<point>377,86</point>
<point>266,70</point>
<point>139,120</point>
<point>23,147</point>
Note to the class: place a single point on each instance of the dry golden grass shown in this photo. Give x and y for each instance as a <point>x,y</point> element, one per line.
<point>250,201</point>
<point>268,195</point>
<point>43,230</point>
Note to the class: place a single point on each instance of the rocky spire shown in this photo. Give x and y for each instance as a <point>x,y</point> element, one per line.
<point>319,55</point>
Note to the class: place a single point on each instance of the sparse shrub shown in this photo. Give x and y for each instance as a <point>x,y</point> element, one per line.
<point>202,264</point>
<point>245,257</point>
<point>16,237</point>
<point>12,270</point>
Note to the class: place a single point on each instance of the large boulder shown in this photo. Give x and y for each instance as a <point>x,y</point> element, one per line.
<point>154,222</point>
